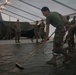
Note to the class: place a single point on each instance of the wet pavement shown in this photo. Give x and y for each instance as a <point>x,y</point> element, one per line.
<point>35,64</point>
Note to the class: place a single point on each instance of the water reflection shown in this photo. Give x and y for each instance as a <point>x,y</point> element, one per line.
<point>9,54</point>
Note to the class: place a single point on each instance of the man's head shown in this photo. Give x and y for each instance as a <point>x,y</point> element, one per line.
<point>45,11</point>
<point>68,17</point>
<point>17,20</point>
<point>74,17</point>
<point>42,21</point>
<point>36,22</point>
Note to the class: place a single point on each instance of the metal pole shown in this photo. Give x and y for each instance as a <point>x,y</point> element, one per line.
<point>64,5</point>
<point>30,4</point>
<point>10,26</point>
<point>24,11</point>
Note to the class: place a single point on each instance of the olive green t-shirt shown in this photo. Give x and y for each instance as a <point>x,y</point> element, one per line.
<point>55,19</point>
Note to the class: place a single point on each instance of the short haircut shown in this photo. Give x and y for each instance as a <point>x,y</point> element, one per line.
<point>17,19</point>
<point>45,9</point>
<point>74,16</point>
<point>68,17</point>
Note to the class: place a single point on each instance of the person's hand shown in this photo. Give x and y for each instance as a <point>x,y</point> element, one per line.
<point>64,41</point>
<point>47,39</point>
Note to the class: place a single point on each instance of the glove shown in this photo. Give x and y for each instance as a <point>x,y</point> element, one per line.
<point>47,39</point>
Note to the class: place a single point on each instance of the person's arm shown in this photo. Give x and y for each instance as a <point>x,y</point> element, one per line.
<point>15,27</point>
<point>69,34</point>
<point>65,21</point>
<point>47,31</point>
<point>44,25</point>
<point>20,27</point>
<point>48,19</point>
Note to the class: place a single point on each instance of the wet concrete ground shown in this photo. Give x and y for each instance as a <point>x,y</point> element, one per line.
<point>36,64</point>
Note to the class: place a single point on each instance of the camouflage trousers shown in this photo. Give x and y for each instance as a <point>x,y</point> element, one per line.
<point>17,36</point>
<point>71,34</point>
<point>42,33</point>
<point>58,40</point>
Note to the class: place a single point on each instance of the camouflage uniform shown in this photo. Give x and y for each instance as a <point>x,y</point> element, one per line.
<point>17,31</point>
<point>42,26</point>
<point>58,40</point>
<point>73,21</point>
<point>36,31</point>
<point>70,35</point>
<point>55,19</point>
